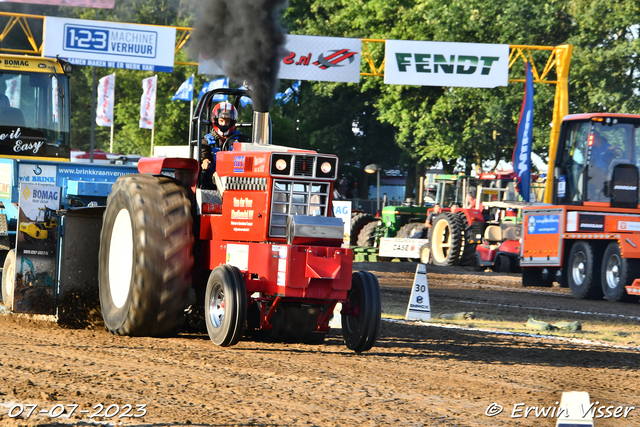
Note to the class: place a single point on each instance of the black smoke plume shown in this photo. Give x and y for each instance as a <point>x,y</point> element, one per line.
<point>247,36</point>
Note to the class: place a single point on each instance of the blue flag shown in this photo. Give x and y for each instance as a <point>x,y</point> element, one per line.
<point>215,84</point>
<point>185,91</point>
<point>288,94</point>
<point>522,153</point>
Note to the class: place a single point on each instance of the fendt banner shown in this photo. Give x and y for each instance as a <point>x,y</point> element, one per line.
<point>323,59</point>
<point>446,64</point>
<point>110,44</point>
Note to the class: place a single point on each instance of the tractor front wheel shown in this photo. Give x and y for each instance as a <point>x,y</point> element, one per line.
<point>225,305</point>
<point>145,256</point>
<point>361,319</point>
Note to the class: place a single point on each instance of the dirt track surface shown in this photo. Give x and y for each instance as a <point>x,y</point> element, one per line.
<point>415,375</point>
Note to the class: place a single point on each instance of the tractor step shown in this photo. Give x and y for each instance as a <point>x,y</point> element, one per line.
<point>634,289</point>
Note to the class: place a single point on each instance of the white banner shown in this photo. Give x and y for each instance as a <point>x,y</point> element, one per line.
<point>325,59</point>
<point>110,44</point>
<point>401,248</point>
<point>148,102</point>
<point>104,111</point>
<point>13,91</point>
<point>342,209</point>
<point>446,64</point>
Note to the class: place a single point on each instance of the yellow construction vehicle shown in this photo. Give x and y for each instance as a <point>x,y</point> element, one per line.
<point>40,230</point>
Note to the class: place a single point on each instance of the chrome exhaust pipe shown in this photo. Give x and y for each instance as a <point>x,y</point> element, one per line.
<point>261,133</point>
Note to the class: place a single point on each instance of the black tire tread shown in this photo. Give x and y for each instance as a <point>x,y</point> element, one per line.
<point>468,252</point>
<point>163,239</point>
<point>368,321</point>
<point>368,234</point>
<point>407,230</point>
<point>358,221</point>
<point>592,288</point>
<point>630,270</point>
<point>455,230</point>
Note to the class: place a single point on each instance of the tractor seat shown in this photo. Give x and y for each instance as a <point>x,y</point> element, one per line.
<point>492,236</point>
<point>510,231</point>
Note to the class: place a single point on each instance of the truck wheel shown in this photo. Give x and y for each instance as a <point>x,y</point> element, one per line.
<point>367,235</point>
<point>408,230</point>
<point>360,328</point>
<point>446,239</point>
<point>145,256</point>
<point>225,305</point>
<point>617,272</point>
<point>584,275</point>
<point>8,279</point>
<point>358,221</point>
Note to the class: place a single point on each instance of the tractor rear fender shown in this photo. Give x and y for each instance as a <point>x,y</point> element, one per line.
<point>471,215</point>
<point>186,169</point>
<point>510,247</point>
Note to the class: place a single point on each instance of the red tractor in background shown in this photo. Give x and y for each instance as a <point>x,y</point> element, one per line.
<point>483,235</point>
<point>261,250</point>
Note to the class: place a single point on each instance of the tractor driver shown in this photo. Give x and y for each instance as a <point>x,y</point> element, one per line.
<point>602,154</point>
<point>223,118</point>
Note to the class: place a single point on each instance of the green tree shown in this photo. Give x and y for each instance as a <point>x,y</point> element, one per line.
<point>605,69</point>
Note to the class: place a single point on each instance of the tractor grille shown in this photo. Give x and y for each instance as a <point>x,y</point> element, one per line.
<point>303,166</point>
<point>296,198</point>
<point>246,183</point>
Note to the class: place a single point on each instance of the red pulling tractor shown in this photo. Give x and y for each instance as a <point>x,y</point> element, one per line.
<point>261,250</point>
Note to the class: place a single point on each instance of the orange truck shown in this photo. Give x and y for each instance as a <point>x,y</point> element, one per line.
<point>588,238</point>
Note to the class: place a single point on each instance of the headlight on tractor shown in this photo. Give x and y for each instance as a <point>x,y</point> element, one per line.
<point>281,164</point>
<point>325,167</point>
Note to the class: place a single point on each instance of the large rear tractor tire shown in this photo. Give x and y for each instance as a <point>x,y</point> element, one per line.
<point>8,279</point>
<point>446,239</point>
<point>584,274</point>
<point>367,236</point>
<point>468,255</point>
<point>415,230</point>
<point>358,221</point>
<point>226,305</point>
<point>617,272</point>
<point>361,325</point>
<point>145,256</point>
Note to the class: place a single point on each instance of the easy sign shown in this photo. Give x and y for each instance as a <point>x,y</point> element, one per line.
<point>110,44</point>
